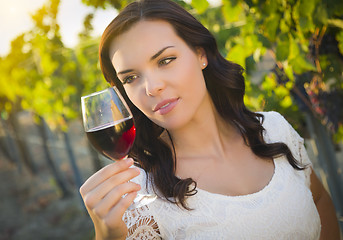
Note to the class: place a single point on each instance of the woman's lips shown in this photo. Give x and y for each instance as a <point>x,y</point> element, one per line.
<point>166,106</point>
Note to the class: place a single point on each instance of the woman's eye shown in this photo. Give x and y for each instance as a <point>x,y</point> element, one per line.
<point>166,61</point>
<point>130,79</point>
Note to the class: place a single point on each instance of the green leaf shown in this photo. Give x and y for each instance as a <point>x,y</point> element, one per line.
<point>270,7</point>
<point>286,21</point>
<point>289,72</point>
<point>339,38</point>
<point>254,103</point>
<point>320,15</point>
<point>282,50</point>
<point>271,25</point>
<point>300,65</point>
<point>47,64</point>
<point>305,22</point>
<point>295,12</point>
<point>237,54</point>
<point>251,43</point>
<point>8,90</point>
<point>336,22</point>
<point>286,102</point>
<point>283,26</point>
<point>200,5</point>
<point>258,53</point>
<point>281,91</point>
<point>269,82</point>
<point>231,11</point>
<point>293,48</point>
<point>306,7</point>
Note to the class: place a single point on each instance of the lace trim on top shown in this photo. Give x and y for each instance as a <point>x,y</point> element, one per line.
<point>141,225</point>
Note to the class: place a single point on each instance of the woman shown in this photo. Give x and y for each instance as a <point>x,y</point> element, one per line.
<point>220,170</point>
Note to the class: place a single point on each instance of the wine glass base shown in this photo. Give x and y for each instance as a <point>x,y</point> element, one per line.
<point>142,200</point>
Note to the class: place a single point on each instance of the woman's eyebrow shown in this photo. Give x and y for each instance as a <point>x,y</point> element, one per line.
<point>125,71</point>
<point>151,59</point>
<point>160,52</point>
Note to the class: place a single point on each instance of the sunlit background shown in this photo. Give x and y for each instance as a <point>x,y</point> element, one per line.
<point>15,19</point>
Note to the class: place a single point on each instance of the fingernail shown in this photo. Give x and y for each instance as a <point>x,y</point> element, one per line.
<point>129,161</point>
<point>138,170</point>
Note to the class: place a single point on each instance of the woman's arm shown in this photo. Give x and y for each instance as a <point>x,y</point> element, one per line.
<point>330,229</point>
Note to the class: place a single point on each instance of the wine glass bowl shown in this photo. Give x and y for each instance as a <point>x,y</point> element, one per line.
<point>108,123</point>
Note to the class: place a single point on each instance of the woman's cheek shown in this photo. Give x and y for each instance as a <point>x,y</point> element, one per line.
<point>135,98</point>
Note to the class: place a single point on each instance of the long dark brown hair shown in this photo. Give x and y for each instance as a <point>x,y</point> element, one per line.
<point>224,82</point>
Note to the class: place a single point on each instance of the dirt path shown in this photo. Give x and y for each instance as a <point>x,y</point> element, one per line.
<point>31,209</point>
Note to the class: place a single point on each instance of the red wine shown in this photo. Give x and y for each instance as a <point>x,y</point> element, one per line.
<point>113,140</point>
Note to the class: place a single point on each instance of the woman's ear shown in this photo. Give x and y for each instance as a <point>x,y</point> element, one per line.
<point>202,57</point>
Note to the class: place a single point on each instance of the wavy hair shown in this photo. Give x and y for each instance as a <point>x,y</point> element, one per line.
<point>224,82</point>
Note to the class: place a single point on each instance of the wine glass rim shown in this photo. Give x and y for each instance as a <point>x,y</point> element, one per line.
<point>98,92</point>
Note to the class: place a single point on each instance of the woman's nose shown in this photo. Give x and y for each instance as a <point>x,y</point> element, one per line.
<point>154,85</point>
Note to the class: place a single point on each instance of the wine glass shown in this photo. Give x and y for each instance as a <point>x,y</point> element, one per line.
<point>110,128</point>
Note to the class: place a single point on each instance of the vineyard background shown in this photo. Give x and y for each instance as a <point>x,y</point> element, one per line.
<point>292,51</point>
<point>32,206</point>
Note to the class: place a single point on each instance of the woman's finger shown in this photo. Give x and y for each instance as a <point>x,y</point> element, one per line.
<point>114,197</point>
<point>119,209</point>
<point>105,173</point>
<point>92,198</point>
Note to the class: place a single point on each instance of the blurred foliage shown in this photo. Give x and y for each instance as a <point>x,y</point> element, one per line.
<point>118,4</point>
<point>292,51</point>
<point>41,75</point>
<point>295,49</point>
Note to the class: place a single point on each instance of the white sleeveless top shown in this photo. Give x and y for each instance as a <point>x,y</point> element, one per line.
<point>284,209</point>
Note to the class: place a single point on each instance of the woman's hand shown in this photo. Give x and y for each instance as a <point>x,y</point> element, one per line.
<point>103,194</point>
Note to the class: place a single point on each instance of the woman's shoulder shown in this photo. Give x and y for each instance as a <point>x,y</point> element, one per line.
<point>277,128</point>
<point>272,118</point>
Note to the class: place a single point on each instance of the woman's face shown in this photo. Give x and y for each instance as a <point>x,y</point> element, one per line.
<point>161,74</point>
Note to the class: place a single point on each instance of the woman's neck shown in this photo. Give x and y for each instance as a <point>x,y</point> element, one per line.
<point>206,135</point>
